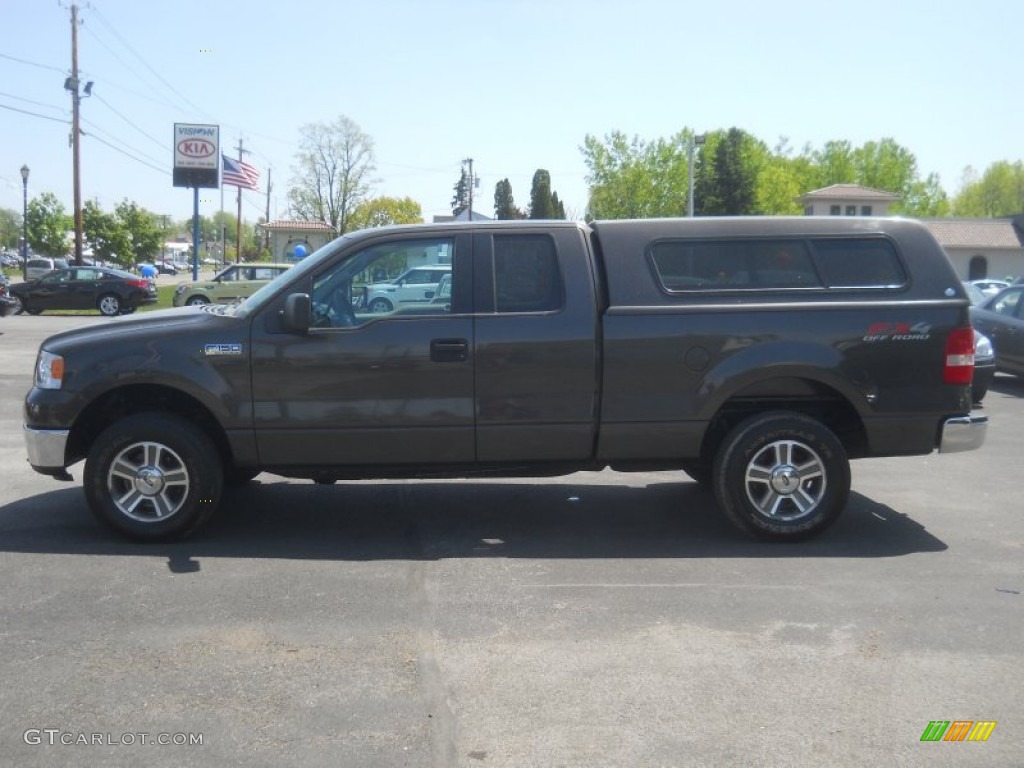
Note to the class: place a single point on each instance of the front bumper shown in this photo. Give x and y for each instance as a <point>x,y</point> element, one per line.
<point>46,448</point>
<point>963,433</point>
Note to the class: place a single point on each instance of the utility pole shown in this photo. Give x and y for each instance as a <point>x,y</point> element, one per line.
<point>470,180</point>
<point>76,138</point>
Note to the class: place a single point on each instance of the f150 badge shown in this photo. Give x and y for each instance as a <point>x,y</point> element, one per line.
<point>213,350</point>
<point>898,332</point>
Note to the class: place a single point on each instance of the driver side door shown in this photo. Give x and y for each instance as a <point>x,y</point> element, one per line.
<point>370,389</point>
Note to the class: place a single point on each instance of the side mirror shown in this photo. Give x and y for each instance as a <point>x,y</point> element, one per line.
<point>296,312</point>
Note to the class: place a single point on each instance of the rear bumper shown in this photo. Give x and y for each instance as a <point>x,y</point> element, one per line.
<point>963,433</point>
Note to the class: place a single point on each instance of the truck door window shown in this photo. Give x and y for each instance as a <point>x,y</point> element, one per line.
<point>526,274</point>
<point>847,262</point>
<point>348,294</point>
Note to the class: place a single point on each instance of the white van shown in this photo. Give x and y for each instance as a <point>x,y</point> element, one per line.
<point>38,266</point>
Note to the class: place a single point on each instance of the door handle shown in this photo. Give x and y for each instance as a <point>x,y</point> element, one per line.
<point>449,350</point>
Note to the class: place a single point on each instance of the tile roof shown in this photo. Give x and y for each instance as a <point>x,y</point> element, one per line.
<point>848,192</point>
<point>976,233</point>
<point>318,226</point>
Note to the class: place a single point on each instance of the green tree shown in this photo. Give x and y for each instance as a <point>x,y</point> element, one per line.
<point>836,164</point>
<point>730,190</point>
<point>382,211</point>
<point>998,192</point>
<point>540,195</point>
<point>107,235</point>
<point>10,229</point>
<point>333,172</point>
<point>504,204</point>
<point>48,226</point>
<point>144,228</point>
<point>634,179</point>
<point>461,200</point>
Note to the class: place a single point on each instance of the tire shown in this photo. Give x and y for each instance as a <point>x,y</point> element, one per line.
<point>196,301</point>
<point>781,476</point>
<point>153,477</point>
<point>19,305</point>
<point>33,311</point>
<point>380,305</point>
<point>109,305</point>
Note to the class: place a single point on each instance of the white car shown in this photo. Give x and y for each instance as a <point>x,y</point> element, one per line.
<point>990,287</point>
<point>417,284</point>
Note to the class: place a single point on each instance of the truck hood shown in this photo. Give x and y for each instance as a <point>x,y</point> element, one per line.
<point>204,323</point>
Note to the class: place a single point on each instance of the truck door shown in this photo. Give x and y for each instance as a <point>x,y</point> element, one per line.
<point>364,388</point>
<point>535,345</point>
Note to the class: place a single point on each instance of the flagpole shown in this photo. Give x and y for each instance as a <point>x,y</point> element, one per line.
<point>238,223</point>
<point>223,228</point>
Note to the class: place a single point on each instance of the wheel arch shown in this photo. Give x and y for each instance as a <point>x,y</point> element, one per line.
<point>797,393</point>
<point>132,399</point>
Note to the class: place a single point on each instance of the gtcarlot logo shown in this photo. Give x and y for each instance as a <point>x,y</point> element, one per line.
<point>56,736</point>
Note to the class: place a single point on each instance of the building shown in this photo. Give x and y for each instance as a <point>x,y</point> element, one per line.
<point>981,248</point>
<point>847,200</point>
<point>293,240</point>
<point>978,248</point>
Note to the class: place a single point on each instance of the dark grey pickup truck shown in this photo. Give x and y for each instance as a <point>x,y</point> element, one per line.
<point>758,355</point>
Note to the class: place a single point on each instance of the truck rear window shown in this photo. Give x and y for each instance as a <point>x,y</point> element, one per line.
<point>760,264</point>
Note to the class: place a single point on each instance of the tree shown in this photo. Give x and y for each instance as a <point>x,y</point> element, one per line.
<point>333,172</point>
<point>540,195</point>
<point>146,238</point>
<point>48,226</point>
<point>999,192</point>
<point>382,211</point>
<point>107,235</point>
<point>10,229</point>
<point>633,179</point>
<point>504,204</point>
<point>462,200</point>
<point>731,189</point>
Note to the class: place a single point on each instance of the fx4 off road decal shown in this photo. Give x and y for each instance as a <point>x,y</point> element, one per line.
<point>898,332</point>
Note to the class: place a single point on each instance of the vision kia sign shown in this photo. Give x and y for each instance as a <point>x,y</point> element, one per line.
<point>196,155</point>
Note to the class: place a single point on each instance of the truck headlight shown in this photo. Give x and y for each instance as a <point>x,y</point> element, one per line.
<point>49,370</point>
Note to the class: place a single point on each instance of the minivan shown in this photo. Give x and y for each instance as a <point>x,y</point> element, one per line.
<point>38,266</point>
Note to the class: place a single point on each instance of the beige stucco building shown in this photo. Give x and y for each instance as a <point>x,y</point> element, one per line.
<point>847,200</point>
<point>287,236</point>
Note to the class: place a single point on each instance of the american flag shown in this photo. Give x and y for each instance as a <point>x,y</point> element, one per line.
<point>240,174</point>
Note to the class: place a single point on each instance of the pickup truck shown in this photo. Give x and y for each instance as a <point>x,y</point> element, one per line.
<point>758,355</point>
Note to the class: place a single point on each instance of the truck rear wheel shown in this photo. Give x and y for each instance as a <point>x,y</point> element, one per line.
<point>782,476</point>
<point>153,477</point>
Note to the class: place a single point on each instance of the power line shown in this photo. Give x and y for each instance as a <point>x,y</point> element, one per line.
<point>30,101</point>
<point>32,63</point>
<point>161,144</point>
<point>126,154</point>
<point>104,22</point>
<point>125,144</point>
<point>34,114</point>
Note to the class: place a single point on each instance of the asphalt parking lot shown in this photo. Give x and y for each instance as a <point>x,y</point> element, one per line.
<point>594,620</point>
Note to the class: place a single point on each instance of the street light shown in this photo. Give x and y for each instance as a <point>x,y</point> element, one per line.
<point>24,222</point>
<point>698,140</point>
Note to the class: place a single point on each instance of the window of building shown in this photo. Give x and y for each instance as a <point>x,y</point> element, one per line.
<point>808,210</point>
<point>977,269</point>
<point>834,210</point>
<point>851,210</point>
<point>865,210</point>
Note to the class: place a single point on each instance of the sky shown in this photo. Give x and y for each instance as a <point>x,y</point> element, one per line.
<point>516,86</point>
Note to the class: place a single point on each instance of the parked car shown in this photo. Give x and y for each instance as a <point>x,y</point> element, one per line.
<point>1001,319</point>
<point>38,266</point>
<point>166,268</point>
<point>418,284</point>
<point>111,291</point>
<point>989,286</point>
<point>239,281</point>
<point>7,304</point>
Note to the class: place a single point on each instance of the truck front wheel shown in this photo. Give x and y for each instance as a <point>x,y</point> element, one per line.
<point>782,476</point>
<point>153,477</point>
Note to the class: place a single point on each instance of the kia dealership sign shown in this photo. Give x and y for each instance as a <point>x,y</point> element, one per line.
<point>196,155</point>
